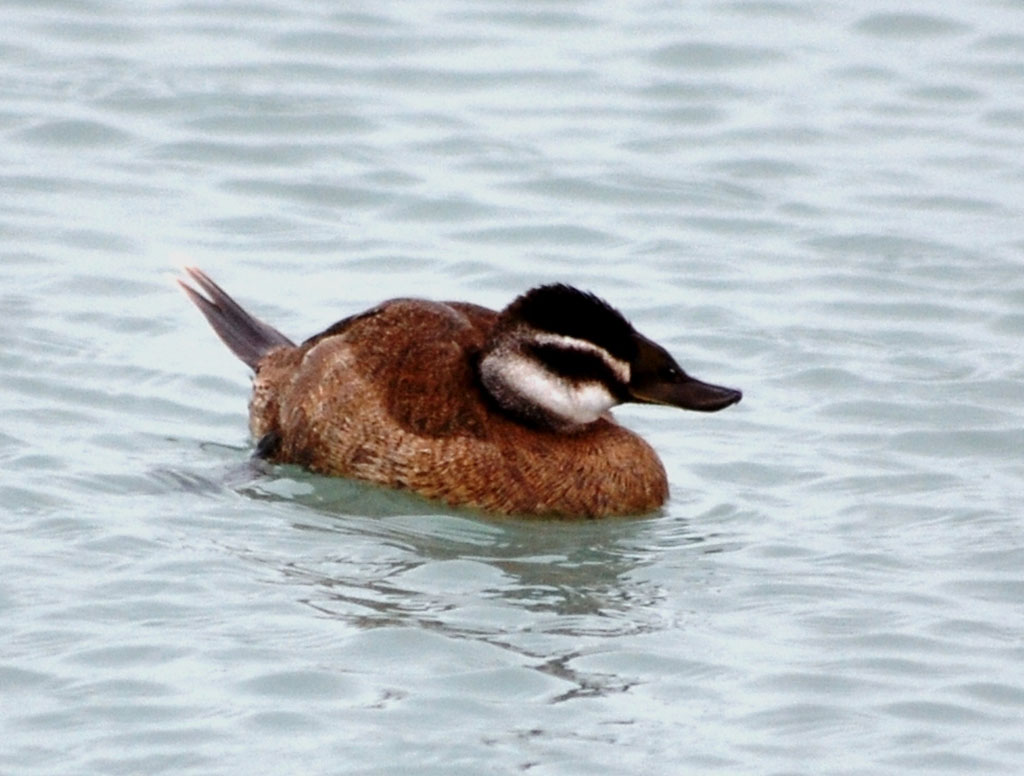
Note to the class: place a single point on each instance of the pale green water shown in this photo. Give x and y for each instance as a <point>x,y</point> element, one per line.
<point>817,204</point>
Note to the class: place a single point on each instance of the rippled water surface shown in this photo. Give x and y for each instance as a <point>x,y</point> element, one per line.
<point>816,202</point>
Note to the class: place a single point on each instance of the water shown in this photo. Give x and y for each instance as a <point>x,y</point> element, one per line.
<point>818,204</point>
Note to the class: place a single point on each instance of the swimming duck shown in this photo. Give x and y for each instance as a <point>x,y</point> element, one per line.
<point>504,411</point>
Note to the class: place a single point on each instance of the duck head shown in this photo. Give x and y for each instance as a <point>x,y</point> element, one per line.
<point>560,357</point>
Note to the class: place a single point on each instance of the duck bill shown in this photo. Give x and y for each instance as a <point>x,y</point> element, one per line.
<point>688,393</point>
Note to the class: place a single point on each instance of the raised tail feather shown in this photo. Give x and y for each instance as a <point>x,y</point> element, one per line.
<point>249,339</point>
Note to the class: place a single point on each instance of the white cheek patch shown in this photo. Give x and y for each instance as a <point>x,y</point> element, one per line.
<point>575,403</point>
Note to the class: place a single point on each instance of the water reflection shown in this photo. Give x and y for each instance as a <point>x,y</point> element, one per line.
<point>547,591</point>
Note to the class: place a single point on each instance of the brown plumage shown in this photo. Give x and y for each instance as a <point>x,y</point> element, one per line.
<point>394,396</point>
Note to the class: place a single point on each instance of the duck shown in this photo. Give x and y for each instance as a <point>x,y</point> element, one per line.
<point>507,412</point>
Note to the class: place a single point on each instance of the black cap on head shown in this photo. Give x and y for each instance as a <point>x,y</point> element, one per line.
<point>562,309</point>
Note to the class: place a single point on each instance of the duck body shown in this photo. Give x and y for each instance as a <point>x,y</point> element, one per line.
<point>414,394</point>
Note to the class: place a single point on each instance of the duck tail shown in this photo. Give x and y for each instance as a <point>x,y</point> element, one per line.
<point>248,338</point>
